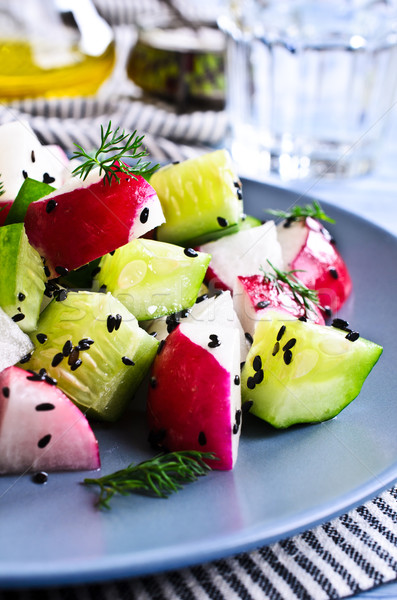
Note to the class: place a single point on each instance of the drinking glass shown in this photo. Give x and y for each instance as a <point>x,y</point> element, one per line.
<point>311,84</point>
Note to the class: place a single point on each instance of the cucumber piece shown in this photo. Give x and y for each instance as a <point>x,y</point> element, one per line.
<point>198,196</point>
<point>299,372</point>
<point>114,360</point>
<point>22,277</point>
<point>29,191</point>
<point>153,278</point>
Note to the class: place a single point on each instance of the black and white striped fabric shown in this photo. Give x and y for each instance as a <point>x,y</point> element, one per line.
<point>352,553</point>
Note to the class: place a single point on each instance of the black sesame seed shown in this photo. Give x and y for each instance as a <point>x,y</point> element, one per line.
<point>33,156</point>
<point>44,406</point>
<point>143,217</point>
<point>25,359</point>
<point>118,319</point>
<point>238,417</point>
<point>302,318</point>
<point>246,406</point>
<point>73,356</point>
<point>333,272</point>
<point>44,441</point>
<point>290,344</point>
<point>51,204</point>
<point>18,317</point>
<point>352,336</point>
<point>24,174</point>
<point>222,222</point>
<point>42,372</point>
<point>153,382</point>
<point>76,364</point>
<point>160,346</point>
<point>281,332</point>
<point>47,178</point>
<point>60,295</point>
<point>249,337</point>
<point>6,392</point>
<point>88,341</point>
<point>276,348</point>
<point>327,311</point>
<point>62,270</point>
<point>49,380</point>
<point>201,298</point>
<point>172,322</point>
<point>214,341</point>
<point>242,365</point>
<point>41,338</point>
<point>237,184</point>
<point>21,297</point>
<point>257,363</point>
<point>235,428</point>
<point>202,439</point>
<point>287,357</point>
<point>250,383</point>
<point>67,348</point>
<point>190,252</point>
<point>175,162</point>
<point>47,271</point>
<point>127,361</point>
<point>262,304</point>
<point>340,324</point>
<point>236,380</point>
<point>110,323</point>
<point>40,477</point>
<point>258,377</point>
<point>239,194</point>
<point>57,359</point>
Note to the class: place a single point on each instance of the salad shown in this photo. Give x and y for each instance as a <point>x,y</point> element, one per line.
<point>113,275</point>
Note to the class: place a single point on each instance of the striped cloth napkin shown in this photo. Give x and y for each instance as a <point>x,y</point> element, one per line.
<point>352,553</point>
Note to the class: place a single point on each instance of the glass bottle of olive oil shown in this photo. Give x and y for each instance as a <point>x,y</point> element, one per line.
<point>53,48</point>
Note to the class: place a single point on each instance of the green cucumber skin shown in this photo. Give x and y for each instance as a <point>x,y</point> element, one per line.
<point>30,191</point>
<point>102,386</point>
<point>153,278</point>
<point>246,222</point>
<point>194,193</point>
<point>22,271</point>
<point>284,399</point>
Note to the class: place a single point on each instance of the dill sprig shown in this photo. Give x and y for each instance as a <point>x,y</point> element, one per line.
<point>303,296</point>
<point>115,148</point>
<point>2,190</point>
<point>297,213</point>
<point>159,476</point>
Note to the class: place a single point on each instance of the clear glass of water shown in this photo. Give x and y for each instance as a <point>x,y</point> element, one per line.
<point>310,84</point>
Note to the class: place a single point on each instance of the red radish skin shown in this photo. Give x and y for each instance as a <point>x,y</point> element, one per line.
<point>249,292</point>
<point>91,219</point>
<point>189,400</point>
<point>321,266</point>
<point>41,429</point>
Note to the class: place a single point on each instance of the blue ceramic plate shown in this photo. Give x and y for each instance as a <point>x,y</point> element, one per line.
<point>284,481</point>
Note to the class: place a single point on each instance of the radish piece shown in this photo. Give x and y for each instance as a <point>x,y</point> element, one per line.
<point>84,220</point>
<point>194,400</point>
<point>308,247</point>
<point>27,157</point>
<point>206,310</point>
<point>256,299</point>
<point>40,428</point>
<point>242,253</point>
